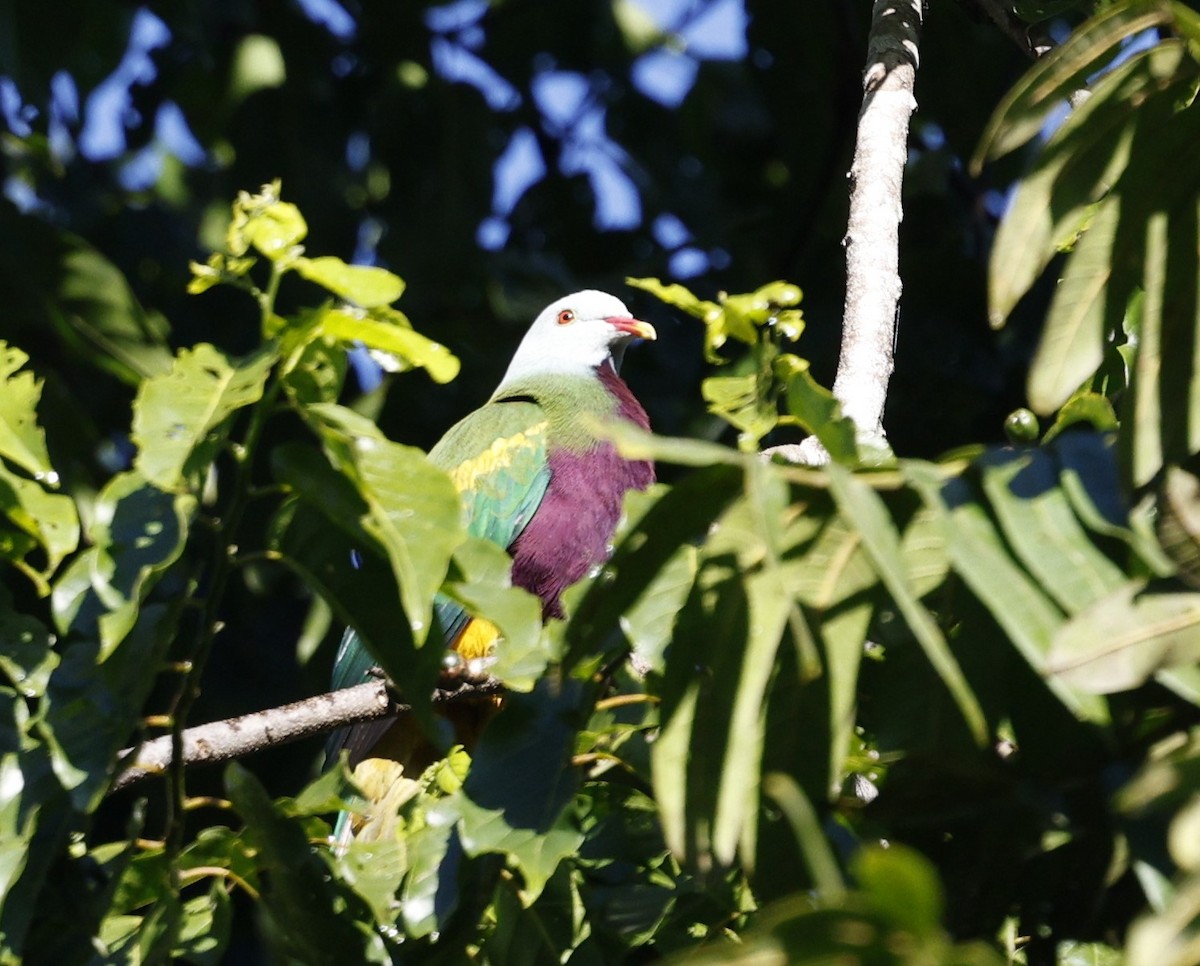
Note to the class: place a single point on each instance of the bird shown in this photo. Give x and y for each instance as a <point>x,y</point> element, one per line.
<point>533,477</point>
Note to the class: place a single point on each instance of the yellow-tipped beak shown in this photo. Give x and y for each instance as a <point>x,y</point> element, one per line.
<point>643,330</point>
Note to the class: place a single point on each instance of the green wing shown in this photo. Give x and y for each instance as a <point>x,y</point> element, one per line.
<point>497,458</point>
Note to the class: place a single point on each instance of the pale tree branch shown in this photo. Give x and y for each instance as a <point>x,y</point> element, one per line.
<point>872,235</point>
<point>220,741</point>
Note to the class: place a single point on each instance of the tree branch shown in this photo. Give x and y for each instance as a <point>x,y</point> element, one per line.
<point>872,236</point>
<point>219,741</point>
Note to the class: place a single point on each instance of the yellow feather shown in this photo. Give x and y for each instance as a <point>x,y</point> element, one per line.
<point>497,456</point>
<point>477,639</point>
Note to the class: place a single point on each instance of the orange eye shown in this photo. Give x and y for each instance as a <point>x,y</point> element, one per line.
<point>566,317</point>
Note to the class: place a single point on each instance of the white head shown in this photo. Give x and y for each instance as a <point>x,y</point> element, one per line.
<point>576,335</point>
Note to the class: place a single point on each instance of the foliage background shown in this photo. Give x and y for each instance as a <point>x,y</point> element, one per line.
<point>372,121</point>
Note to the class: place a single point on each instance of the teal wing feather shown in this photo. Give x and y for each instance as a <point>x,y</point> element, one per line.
<point>497,457</point>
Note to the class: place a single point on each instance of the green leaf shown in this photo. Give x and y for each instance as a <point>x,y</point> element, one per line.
<point>1088,954</point>
<point>316,373</point>
<point>1078,165</point>
<point>1072,345</point>
<point>412,507</point>
<point>881,542</point>
<point>1088,475</point>
<point>34,818</point>
<point>317,537</point>
<point>676,295</point>
<point>537,854</point>
<point>204,927</point>
<point>649,622</point>
<point>1039,524</point>
<point>374,870</point>
<point>94,702</point>
<point>1084,407</point>
<point>364,285</point>
<point>328,792</point>
<point>264,222</point>
<point>637,444</point>
<point>835,567</point>
<point>902,886</point>
<point>522,781</point>
<point>434,852</point>
<point>1178,524</point>
<point>736,316</point>
<point>741,402</point>
<point>1055,77</point>
<point>49,518</point>
<point>138,532</point>
<point>97,313</point>
<point>1122,639</point>
<point>843,634</point>
<point>28,656</point>
<point>21,438</point>
<point>798,810</point>
<point>398,340</point>
<point>980,556</point>
<point>179,418</point>
<point>310,916</point>
<point>820,414</point>
<point>718,672</point>
<point>1164,425</point>
<point>698,692</point>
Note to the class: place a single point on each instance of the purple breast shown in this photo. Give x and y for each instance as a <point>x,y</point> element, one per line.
<point>571,530</point>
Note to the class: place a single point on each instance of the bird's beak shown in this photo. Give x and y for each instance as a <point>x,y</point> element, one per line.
<point>635,327</point>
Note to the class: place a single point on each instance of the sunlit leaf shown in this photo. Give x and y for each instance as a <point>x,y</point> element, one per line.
<point>1085,407</point>
<point>84,743</point>
<point>1076,167</point>
<point>32,810</point>
<point>819,413</point>
<point>264,222</point>
<point>21,438</point>
<point>204,929</point>
<point>48,518</point>
<point>386,335</point>
<point>740,401</point>
<point>364,285</point>
<point>1072,346</point>
<point>138,532</point>
<point>179,417</point>
<point>318,539</point>
<point>1121,640</point>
